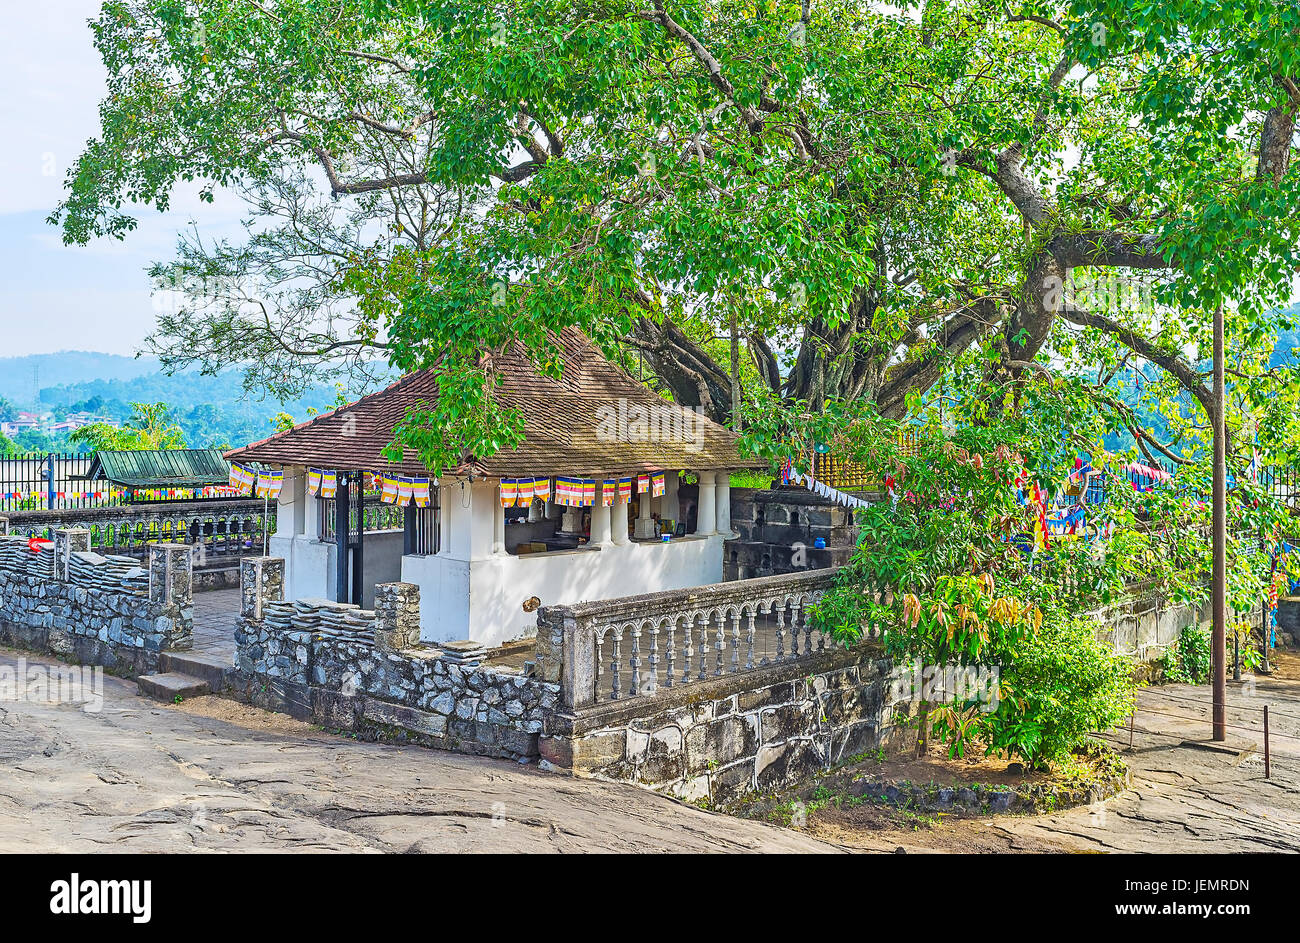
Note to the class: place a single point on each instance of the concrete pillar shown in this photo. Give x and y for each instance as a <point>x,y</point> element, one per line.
<point>600,518</point>
<point>261,580</point>
<point>397,616</point>
<point>722,499</point>
<point>291,505</point>
<point>68,541</point>
<point>619,520</point>
<point>171,574</point>
<point>498,525</point>
<point>706,512</point>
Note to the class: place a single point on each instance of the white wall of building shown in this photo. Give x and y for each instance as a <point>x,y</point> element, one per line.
<point>474,589</point>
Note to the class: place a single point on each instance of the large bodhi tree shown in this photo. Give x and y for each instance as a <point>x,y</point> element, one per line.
<point>857,198</point>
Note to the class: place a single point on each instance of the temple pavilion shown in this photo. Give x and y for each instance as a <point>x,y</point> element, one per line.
<point>614,491</point>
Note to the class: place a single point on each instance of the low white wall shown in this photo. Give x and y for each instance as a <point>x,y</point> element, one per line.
<point>308,566</point>
<point>483,599</point>
<point>444,596</point>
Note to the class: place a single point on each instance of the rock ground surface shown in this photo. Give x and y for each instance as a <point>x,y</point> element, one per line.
<point>215,775</point>
<point>211,774</point>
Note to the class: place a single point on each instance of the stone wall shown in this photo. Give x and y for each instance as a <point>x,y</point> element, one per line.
<point>365,672</point>
<point>93,609</point>
<point>723,739</point>
<point>777,532</point>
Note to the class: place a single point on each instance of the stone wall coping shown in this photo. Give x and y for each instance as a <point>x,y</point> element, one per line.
<point>645,606</point>
<point>577,721</point>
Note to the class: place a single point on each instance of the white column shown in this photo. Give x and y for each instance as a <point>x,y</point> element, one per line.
<point>706,512</point>
<point>618,520</point>
<point>291,506</point>
<point>722,498</point>
<point>498,524</point>
<point>600,524</point>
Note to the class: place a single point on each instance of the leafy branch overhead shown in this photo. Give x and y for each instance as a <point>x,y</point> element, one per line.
<point>815,201</point>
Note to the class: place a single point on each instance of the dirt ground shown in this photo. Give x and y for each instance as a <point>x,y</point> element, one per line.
<point>1188,794</point>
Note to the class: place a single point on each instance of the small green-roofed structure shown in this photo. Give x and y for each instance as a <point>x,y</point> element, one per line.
<point>161,468</point>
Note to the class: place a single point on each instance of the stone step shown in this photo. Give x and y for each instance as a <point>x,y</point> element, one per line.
<point>205,667</point>
<point>168,685</point>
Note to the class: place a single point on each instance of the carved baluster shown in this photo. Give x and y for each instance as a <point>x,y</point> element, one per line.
<point>794,629</point>
<point>654,658</point>
<point>688,647</point>
<point>672,632</point>
<point>722,643</point>
<point>735,641</point>
<point>780,630</point>
<point>749,652</point>
<point>807,629</point>
<point>616,665</point>
<point>635,689</point>
<point>704,645</point>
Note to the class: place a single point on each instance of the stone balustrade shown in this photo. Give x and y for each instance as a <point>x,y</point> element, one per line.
<point>636,646</point>
<point>223,527</point>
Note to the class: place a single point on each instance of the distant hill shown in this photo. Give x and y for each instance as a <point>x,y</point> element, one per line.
<point>211,410</point>
<point>64,368</point>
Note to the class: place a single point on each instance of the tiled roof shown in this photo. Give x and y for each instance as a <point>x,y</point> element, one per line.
<point>160,468</point>
<point>566,430</point>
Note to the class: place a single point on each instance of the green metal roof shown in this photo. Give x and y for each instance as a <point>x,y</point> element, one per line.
<point>161,468</point>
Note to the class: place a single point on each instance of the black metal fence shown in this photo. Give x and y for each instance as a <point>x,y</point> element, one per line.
<point>57,480</point>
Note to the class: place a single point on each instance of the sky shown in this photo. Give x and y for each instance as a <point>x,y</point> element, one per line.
<point>54,297</point>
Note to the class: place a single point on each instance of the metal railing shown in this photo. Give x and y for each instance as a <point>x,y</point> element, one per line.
<point>57,481</point>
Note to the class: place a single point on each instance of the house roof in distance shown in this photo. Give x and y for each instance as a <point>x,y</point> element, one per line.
<point>584,423</point>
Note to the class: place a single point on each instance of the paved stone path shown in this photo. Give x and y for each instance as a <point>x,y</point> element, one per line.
<point>215,613</point>
<point>1188,794</point>
<point>214,775</point>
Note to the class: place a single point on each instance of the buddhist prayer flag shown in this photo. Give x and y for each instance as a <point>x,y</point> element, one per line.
<point>607,491</point>
<point>329,484</point>
<point>405,491</point>
<point>509,492</point>
<point>657,485</point>
<point>269,484</point>
<point>388,490</point>
<point>420,492</point>
<point>624,489</point>
<point>642,484</point>
<point>313,481</point>
<point>242,478</point>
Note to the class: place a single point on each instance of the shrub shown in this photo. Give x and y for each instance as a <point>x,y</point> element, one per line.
<point>1058,685</point>
<point>1188,661</point>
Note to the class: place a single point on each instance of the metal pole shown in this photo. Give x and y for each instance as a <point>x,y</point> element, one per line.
<point>341,580</point>
<point>1268,765</point>
<point>1218,643</point>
